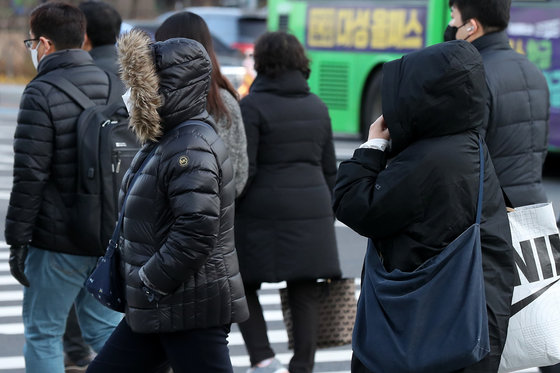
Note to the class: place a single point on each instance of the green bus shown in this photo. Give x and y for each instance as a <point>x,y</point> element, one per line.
<point>348,42</point>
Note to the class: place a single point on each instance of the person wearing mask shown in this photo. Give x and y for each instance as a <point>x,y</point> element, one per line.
<point>284,226</point>
<point>222,101</point>
<point>418,203</point>
<point>178,258</point>
<point>43,256</point>
<point>516,124</point>
<point>519,106</point>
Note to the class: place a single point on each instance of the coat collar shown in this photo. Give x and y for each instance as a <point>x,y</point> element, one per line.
<point>492,41</point>
<point>290,82</point>
<point>104,51</point>
<point>62,59</point>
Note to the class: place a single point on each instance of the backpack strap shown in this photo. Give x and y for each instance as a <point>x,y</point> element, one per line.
<point>59,81</point>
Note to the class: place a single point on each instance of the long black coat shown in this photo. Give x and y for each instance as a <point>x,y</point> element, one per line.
<point>45,153</point>
<point>433,105</point>
<point>284,221</point>
<point>178,219</point>
<point>517,130</point>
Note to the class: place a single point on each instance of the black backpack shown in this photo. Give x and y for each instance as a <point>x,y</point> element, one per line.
<point>105,148</point>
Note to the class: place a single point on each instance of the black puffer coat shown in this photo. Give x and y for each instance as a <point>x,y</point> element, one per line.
<point>284,223</point>
<point>517,131</point>
<point>178,219</point>
<point>45,153</point>
<point>433,104</point>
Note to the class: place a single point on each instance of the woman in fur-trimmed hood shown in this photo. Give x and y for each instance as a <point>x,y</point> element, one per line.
<point>178,259</point>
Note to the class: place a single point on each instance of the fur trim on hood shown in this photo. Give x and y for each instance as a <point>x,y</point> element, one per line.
<point>138,72</point>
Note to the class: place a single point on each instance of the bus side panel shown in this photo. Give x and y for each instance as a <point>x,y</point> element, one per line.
<point>347,40</point>
<point>535,31</point>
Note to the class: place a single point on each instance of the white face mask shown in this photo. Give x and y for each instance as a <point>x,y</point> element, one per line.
<point>34,55</point>
<point>127,101</point>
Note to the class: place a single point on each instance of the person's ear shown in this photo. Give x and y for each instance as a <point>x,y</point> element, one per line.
<point>476,26</point>
<point>48,45</point>
<point>87,44</point>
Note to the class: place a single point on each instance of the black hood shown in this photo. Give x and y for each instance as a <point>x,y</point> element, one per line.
<point>184,70</point>
<point>439,90</point>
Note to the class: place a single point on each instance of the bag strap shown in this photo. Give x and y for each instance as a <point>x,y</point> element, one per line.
<point>117,230</point>
<point>481,181</point>
<point>59,81</point>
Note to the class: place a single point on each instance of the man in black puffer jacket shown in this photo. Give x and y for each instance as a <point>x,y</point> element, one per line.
<point>42,256</point>
<point>178,257</point>
<point>517,128</point>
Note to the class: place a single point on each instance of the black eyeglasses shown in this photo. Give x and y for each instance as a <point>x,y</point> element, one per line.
<point>29,43</point>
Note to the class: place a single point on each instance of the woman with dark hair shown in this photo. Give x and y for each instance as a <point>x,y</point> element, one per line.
<point>284,227</point>
<point>222,101</point>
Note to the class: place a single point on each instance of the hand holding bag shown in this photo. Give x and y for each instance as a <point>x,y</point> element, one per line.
<point>433,319</point>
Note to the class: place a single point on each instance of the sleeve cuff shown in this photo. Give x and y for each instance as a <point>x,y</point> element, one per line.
<point>379,144</point>
<point>147,282</point>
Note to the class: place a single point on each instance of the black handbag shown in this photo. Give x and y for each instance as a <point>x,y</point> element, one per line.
<point>337,312</point>
<point>432,319</point>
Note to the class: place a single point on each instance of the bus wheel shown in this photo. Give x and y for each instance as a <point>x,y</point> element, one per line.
<point>371,103</point>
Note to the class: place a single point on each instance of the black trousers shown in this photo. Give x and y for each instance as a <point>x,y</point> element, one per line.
<point>198,350</point>
<point>304,307</point>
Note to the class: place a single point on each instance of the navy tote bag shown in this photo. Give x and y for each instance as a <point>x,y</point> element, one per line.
<point>430,320</point>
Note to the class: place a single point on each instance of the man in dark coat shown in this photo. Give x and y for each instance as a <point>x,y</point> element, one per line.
<point>518,116</point>
<point>102,29</point>
<point>43,257</point>
<point>517,122</point>
<point>433,107</point>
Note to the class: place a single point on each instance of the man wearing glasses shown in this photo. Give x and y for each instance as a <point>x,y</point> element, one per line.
<point>43,258</point>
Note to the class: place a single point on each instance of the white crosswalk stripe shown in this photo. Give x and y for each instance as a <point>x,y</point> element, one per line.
<point>6,165</point>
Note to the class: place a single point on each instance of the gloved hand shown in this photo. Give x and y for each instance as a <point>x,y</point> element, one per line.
<point>18,253</point>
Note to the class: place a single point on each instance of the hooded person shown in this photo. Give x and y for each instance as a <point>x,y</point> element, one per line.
<point>178,260</point>
<point>426,196</point>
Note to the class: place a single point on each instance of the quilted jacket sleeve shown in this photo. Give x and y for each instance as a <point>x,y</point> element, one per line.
<point>33,148</point>
<point>373,200</point>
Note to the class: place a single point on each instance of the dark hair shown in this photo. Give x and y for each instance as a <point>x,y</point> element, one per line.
<point>492,14</point>
<point>62,23</point>
<point>192,26</point>
<point>276,52</point>
<point>103,22</point>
